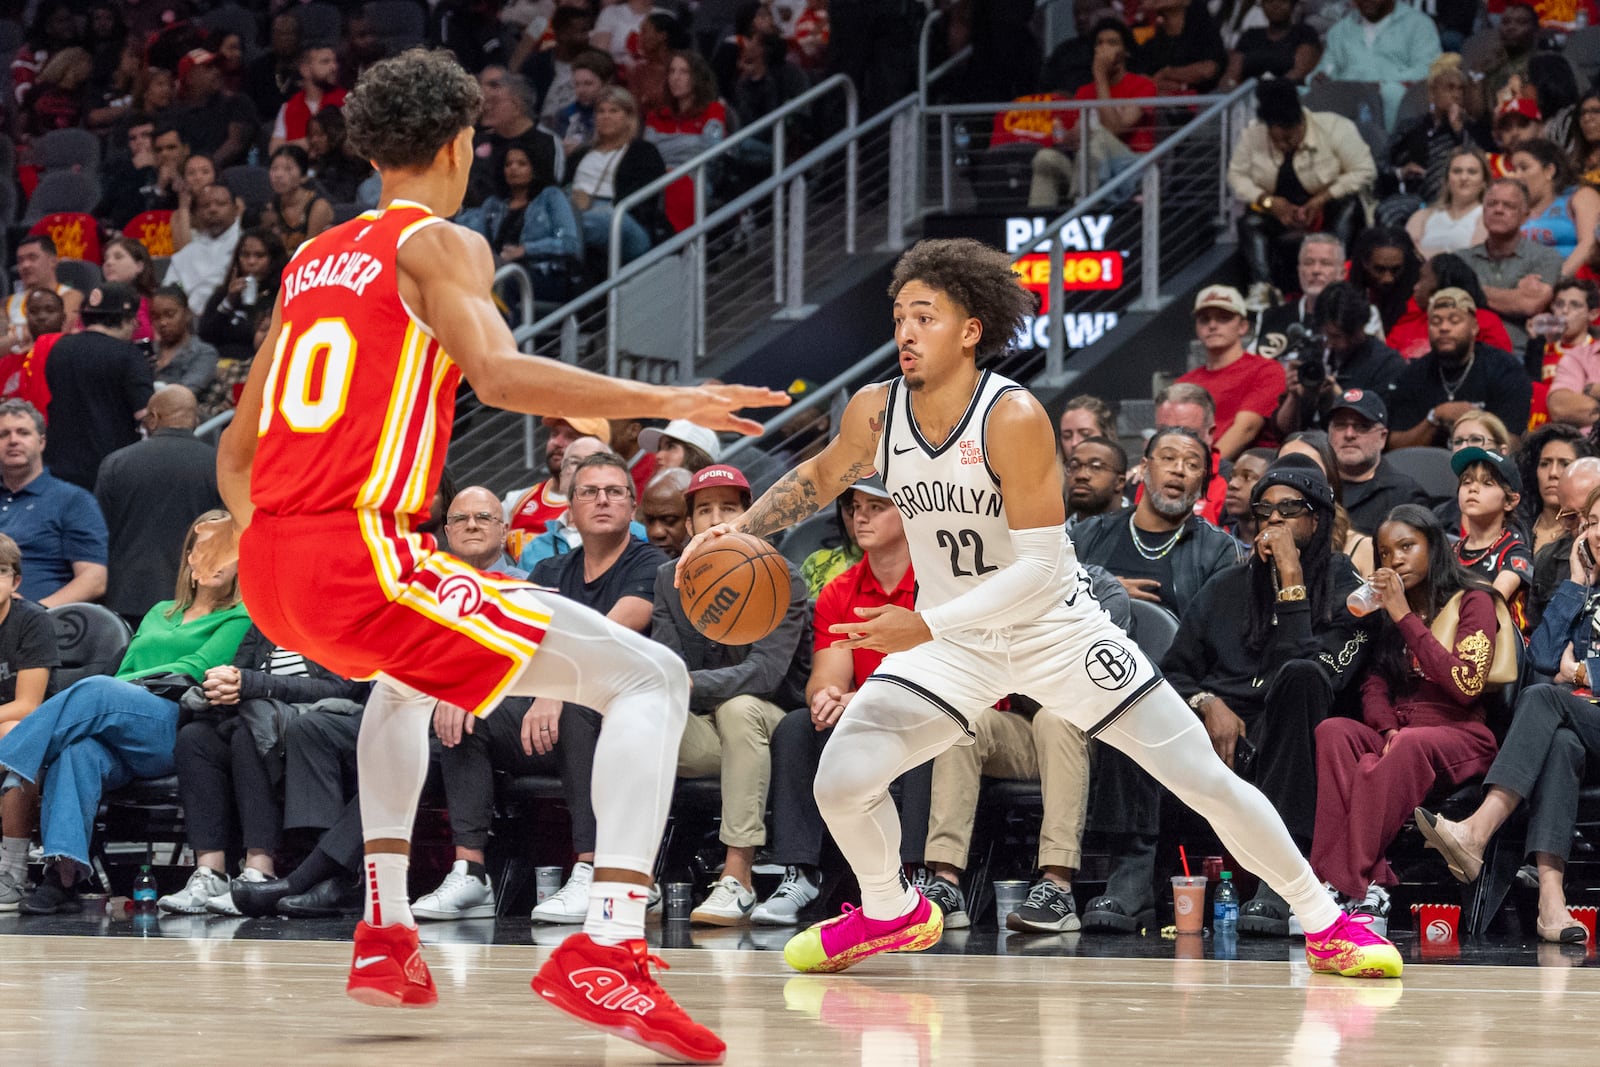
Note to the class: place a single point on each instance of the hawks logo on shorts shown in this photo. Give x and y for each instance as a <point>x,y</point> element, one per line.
<point>461,595</point>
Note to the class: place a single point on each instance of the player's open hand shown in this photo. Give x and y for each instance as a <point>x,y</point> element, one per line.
<point>713,406</point>
<point>216,546</point>
<point>889,628</point>
<point>696,543</point>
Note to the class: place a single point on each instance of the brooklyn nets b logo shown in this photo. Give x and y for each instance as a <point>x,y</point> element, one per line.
<point>1110,666</point>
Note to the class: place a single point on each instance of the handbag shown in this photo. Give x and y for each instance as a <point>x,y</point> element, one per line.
<point>1503,668</point>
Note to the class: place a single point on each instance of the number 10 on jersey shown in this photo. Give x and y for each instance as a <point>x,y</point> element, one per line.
<point>315,372</point>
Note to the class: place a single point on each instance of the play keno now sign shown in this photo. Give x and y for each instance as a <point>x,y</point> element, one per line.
<point>1090,263</point>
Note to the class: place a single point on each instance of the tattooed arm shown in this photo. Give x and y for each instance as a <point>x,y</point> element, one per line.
<point>815,483</point>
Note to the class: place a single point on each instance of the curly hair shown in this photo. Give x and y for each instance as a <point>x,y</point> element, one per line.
<point>979,279</point>
<point>404,109</point>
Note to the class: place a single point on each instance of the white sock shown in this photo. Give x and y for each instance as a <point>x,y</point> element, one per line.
<point>884,900</point>
<point>391,764</point>
<point>14,858</point>
<point>388,903</point>
<point>616,912</point>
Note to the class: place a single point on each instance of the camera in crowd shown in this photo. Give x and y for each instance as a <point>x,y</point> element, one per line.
<point>1308,347</point>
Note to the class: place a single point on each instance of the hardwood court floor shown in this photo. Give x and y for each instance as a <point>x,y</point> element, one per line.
<point>103,1000</point>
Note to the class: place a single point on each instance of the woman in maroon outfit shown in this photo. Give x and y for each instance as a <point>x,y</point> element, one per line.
<point>1422,710</point>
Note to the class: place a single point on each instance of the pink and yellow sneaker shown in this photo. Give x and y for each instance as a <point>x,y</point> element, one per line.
<point>850,938</point>
<point>1349,947</point>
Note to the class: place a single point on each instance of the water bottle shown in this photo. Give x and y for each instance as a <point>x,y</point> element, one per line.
<point>252,290</point>
<point>144,890</point>
<point>963,142</point>
<point>1225,905</point>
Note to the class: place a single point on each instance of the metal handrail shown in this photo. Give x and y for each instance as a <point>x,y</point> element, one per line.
<point>693,165</point>
<point>867,367</point>
<point>609,289</point>
<point>958,110</point>
<point>873,364</point>
<point>516,272</point>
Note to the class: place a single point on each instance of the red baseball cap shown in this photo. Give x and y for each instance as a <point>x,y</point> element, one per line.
<point>1521,106</point>
<point>717,474</point>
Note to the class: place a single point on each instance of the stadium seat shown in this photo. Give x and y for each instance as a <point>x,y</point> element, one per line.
<point>75,233</point>
<point>1429,468</point>
<point>1154,627</point>
<point>62,190</point>
<point>248,183</point>
<point>79,273</point>
<point>91,640</point>
<point>231,18</point>
<point>320,24</point>
<point>72,149</point>
<point>399,23</point>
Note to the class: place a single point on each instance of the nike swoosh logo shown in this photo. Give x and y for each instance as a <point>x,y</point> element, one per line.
<point>638,896</point>
<point>363,962</point>
<point>903,451</point>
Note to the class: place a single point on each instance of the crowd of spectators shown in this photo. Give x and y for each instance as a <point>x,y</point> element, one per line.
<point>1440,295</point>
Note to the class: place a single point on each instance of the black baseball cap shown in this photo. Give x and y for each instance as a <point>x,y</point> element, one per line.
<point>111,300</point>
<point>1363,402</point>
<point>1504,468</point>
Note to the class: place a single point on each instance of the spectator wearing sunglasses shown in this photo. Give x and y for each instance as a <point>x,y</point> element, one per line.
<point>1263,678</point>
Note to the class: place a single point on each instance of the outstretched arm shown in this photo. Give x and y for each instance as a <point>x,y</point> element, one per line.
<point>447,275</point>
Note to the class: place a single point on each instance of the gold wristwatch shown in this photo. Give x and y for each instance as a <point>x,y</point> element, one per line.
<point>1291,593</point>
<point>1266,202</point>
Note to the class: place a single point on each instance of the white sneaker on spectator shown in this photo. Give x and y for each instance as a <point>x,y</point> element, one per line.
<point>203,884</point>
<point>11,893</point>
<point>571,903</point>
<point>729,904</point>
<point>796,892</point>
<point>222,904</point>
<point>459,896</point>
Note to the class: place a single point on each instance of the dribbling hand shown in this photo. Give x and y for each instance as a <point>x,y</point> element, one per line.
<point>696,543</point>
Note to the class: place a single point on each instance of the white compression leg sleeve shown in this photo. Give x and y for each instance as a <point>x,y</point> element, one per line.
<point>391,765</point>
<point>642,690</point>
<point>886,730</point>
<point>1164,737</point>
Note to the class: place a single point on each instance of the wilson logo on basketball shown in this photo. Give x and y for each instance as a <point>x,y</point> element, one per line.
<point>609,989</point>
<point>460,595</point>
<point>721,601</point>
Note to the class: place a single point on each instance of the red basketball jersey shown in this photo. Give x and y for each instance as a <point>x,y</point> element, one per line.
<point>355,421</point>
<point>359,404</point>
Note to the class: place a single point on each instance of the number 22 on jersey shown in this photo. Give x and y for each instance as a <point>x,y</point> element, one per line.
<point>315,369</point>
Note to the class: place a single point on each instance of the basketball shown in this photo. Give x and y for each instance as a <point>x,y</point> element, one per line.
<point>735,589</point>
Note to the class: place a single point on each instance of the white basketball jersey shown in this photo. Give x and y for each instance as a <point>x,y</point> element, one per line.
<point>951,502</point>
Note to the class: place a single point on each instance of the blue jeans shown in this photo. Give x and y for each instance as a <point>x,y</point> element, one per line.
<point>96,735</point>
<point>596,223</point>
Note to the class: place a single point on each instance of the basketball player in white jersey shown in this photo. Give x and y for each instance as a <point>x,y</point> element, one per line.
<point>1002,607</point>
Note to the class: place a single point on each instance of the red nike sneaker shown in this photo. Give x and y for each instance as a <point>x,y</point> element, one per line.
<point>610,988</point>
<point>387,970</point>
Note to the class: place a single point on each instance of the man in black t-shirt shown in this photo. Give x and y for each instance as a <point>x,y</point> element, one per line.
<point>99,382</point>
<point>1457,376</point>
<point>610,572</point>
<point>28,651</point>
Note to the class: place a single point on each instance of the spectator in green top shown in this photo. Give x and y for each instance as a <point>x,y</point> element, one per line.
<point>103,732</point>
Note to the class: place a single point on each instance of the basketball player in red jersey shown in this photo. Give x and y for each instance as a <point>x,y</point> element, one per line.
<point>331,462</point>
